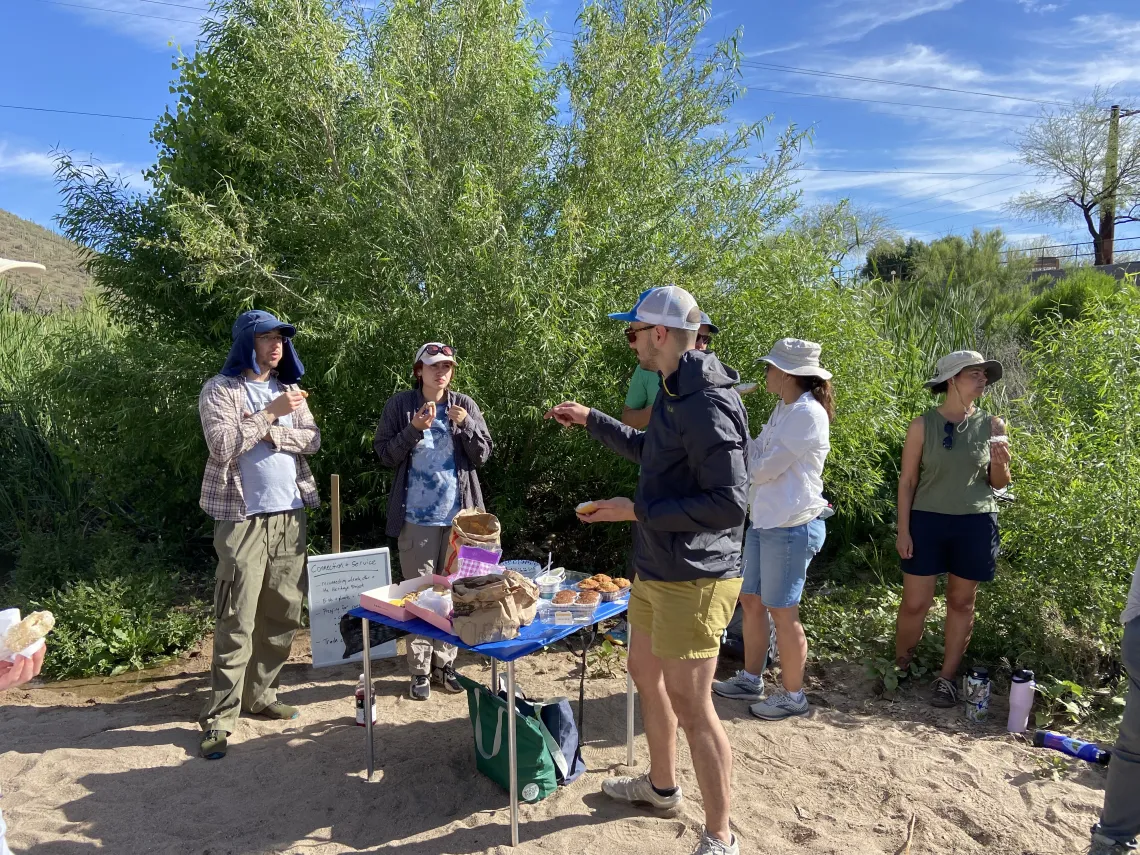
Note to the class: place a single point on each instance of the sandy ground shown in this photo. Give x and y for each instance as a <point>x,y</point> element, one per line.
<point>97,766</point>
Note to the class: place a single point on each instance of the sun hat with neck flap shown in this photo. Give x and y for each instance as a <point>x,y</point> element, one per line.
<point>954,363</point>
<point>798,357</point>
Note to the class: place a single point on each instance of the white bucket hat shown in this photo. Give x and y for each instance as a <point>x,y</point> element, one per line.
<point>950,366</point>
<point>798,357</point>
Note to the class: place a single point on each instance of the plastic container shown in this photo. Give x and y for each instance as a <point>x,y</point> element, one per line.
<point>530,569</point>
<point>568,614</point>
<point>360,703</point>
<point>1021,689</point>
<point>433,616</point>
<point>551,583</point>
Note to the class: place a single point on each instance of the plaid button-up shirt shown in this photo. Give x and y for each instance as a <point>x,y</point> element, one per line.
<point>231,430</point>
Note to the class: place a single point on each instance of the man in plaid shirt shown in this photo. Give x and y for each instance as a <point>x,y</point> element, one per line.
<point>256,486</point>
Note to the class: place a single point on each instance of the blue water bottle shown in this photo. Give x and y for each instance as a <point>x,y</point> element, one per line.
<point>1072,747</point>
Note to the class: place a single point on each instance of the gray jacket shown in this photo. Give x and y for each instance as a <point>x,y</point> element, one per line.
<point>395,439</point>
<point>692,494</point>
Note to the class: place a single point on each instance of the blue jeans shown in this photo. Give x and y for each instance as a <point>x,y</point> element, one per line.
<point>776,561</point>
<point>1120,819</point>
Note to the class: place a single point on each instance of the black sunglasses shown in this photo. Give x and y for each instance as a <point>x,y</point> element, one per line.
<point>704,338</point>
<point>631,333</point>
<point>948,440</point>
<point>437,349</point>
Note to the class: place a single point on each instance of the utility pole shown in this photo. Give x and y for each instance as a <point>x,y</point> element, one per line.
<point>1103,251</point>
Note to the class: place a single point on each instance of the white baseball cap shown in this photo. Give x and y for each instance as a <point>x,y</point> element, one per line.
<point>433,352</point>
<point>669,306</point>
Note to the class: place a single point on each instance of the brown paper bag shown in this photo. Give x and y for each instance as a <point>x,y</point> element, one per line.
<point>483,609</point>
<point>471,527</point>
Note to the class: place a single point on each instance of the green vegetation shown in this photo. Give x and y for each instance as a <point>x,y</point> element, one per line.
<point>64,283</point>
<point>428,178</point>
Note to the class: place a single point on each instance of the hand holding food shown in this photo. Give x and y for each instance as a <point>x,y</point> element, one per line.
<point>423,419</point>
<point>457,414</point>
<point>22,635</point>
<point>610,510</point>
<point>568,413</point>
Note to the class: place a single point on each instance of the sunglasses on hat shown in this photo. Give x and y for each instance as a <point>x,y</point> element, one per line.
<point>437,349</point>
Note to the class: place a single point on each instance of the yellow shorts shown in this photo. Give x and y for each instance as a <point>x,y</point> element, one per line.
<point>685,619</point>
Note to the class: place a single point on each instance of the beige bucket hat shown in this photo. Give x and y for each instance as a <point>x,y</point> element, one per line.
<point>950,365</point>
<point>796,356</point>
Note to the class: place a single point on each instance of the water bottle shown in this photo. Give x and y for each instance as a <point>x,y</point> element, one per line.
<point>1072,747</point>
<point>977,693</point>
<point>360,692</point>
<point>1021,689</point>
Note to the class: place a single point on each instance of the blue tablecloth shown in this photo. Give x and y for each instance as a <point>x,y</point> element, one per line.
<point>530,638</point>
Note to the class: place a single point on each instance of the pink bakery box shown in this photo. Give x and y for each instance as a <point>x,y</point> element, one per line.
<point>431,617</point>
<point>376,600</point>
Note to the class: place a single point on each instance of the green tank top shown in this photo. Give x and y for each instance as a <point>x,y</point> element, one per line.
<point>955,480</point>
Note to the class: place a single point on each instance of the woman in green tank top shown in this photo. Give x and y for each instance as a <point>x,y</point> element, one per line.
<point>954,457</point>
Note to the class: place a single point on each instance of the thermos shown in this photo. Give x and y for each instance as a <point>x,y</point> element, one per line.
<point>1072,747</point>
<point>977,693</point>
<point>360,703</point>
<point>1021,689</point>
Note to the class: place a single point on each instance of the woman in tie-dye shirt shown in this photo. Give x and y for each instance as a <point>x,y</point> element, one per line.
<point>435,439</point>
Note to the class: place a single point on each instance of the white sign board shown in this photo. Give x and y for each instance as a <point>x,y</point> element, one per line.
<point>335,584</point>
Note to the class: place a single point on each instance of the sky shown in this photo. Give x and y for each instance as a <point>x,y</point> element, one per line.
<point>934,162</point>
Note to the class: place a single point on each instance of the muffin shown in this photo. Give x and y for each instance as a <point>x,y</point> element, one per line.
<point>589,598</point>
<point>609,591</point>
<point>622,583</point>
<point>588,585</point>
<point>563,597</point>
<point>601,578</point>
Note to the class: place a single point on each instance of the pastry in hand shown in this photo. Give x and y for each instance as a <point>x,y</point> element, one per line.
<point>586,508</point>
<point>28,631</point>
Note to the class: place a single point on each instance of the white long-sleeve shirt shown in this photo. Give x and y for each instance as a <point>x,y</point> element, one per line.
<point>785,464</point>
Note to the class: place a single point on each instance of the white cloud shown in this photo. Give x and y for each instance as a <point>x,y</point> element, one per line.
<point>1040,6</point>
<point>30,163</point>
<point>154,26</point>
<point>858,18</point>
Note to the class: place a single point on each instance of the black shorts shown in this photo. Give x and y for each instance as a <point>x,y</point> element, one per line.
<point>966,545</point>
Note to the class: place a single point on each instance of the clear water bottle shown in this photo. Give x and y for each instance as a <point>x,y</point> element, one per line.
<point>977,693</point>
<point>360,702</point>
<point>1021,689</point>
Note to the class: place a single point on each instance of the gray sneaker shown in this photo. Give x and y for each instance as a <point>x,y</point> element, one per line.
<point>740,687</point>
<point>716,846</point>
<point>638,791</point>
<point>1101,845</point>
<point>778,706</point>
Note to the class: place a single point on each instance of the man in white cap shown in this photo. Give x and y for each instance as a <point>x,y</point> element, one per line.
<point>644,385</point>
<point>688,514</point>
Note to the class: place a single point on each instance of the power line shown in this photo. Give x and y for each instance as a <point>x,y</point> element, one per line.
<point>944,195</point>
<point>964,213</point>
<point>891,103</point>
<point>942,205</point>
<point>914,172</point>
<point>116,11</point>
<point>73,112</point>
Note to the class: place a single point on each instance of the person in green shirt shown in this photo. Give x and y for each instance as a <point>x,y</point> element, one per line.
<point>644,385</point>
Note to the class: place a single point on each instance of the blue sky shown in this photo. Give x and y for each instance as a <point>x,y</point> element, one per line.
<point>61,57</point>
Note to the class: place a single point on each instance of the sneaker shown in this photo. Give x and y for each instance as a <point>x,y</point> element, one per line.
<point>740,687</point>
<point>944,693</point>
<point>1101,845</point>
<point>778,706</point>
<point>420,689</point>
<point>214,744</point>
<point>716,846</point>
<point>445,677</point>
<point>638,791</point>
<point>279,712</point>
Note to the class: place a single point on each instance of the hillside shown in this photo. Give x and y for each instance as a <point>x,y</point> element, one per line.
<point>64,282</point>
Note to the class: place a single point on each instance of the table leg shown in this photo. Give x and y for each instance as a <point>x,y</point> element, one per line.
<point>628,707</point>
<point>512,753</point>
<point>494,676</point>
<point>368,700</point>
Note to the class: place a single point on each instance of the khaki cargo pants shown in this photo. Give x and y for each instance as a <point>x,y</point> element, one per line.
<point>423,551</point>
<point>257,609</point>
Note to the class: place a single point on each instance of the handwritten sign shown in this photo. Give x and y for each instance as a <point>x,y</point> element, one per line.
<point>335,584</point>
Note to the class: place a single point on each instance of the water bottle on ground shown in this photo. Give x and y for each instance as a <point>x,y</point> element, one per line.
<point>1021,689</point>
<point>360,703</point>
<point>1072,747</point>
<point>977,693</point>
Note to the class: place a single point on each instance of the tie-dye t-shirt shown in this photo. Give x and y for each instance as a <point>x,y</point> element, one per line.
<point>433,483</point>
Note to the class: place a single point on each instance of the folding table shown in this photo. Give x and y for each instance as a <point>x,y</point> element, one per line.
<point>531,639</point>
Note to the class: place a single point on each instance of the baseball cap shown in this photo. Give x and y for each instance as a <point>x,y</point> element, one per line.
<point>669,306</point>
<point>433,352</point>
<point>706,321</point>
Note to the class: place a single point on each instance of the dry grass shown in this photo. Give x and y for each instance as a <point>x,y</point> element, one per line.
<point>64,283</point>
